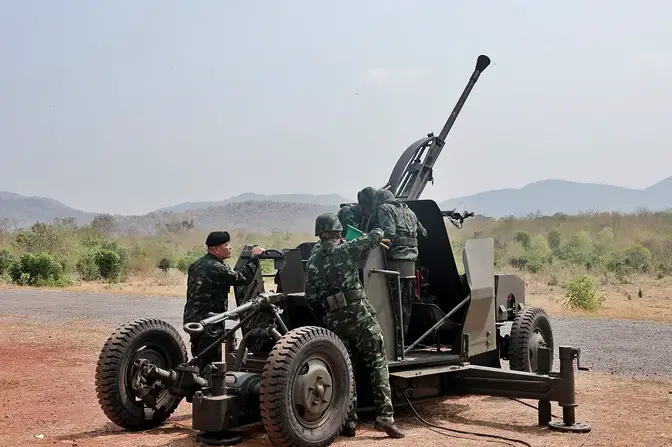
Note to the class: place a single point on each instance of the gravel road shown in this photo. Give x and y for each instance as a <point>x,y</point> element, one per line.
<point>607,345</point>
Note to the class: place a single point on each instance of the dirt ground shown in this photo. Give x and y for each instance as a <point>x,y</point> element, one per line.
<point>48,398</point>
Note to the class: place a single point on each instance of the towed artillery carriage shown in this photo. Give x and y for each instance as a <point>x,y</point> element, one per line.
<point>297,377</point>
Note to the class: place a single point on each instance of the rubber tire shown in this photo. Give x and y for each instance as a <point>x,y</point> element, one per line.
<point>527,320</point>
<point>283,362</point>
<point>114,363</point>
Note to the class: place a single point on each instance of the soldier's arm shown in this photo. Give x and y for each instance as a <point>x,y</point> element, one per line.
<point>385,221</point>
<point>311,292</point>
<point>422,231</point>
<point>226,275</point>
<point>360,247</point>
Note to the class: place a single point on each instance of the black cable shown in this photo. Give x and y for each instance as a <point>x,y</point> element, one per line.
<point>485,435</point>
<point>585,439</point>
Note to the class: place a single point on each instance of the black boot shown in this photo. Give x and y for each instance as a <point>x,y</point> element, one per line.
<point>390,428</point>
<point>349,429</point>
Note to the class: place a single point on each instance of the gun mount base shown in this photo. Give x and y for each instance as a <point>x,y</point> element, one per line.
<point>576,427</point>
<point>218,438</point>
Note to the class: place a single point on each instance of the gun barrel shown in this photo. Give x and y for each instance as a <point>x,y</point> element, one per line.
<point>481,64</point>
<point>414,168</point>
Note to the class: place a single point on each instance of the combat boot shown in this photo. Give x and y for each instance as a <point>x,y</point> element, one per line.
<point>349,429</point>
<point>390,428</point>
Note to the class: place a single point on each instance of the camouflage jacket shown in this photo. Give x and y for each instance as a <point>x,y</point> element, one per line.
<point>400,225</point>
<point>208,284</point>
<point>333,267</point>
<point>349,215</point>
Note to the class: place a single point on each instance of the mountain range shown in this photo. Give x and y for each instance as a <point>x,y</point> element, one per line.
<point>297,212</point>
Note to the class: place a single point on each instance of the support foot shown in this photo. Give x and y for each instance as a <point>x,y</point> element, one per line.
<point>576,427</point>
<point>218,438</point>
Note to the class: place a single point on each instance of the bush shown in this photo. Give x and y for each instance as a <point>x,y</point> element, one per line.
<point>6,260</point>
<point>580,249</point>
<point>554,239</point>
<point>187,259</point>
<point>39,269</point>
<point>87,267</point>
<point>534,256</point>
<point>122,252</point>
<point>165,264</point>
<point>581,294</point>
<point>109,264</point>
<point>524,238</point>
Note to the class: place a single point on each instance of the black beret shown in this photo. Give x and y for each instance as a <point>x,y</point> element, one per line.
<point>217,238</point>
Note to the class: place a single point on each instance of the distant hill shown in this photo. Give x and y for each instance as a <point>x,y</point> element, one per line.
<point>254,212</point>
<point>553,196</point>
<point>320,199</point>
<point>27,210</point>
<point>297,212</point>
<point>258,217</point>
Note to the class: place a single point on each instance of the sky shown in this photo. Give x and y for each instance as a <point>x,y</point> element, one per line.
<point>130,106</point>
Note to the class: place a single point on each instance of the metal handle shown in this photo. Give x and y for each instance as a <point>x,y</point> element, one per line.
<point>193,328</point>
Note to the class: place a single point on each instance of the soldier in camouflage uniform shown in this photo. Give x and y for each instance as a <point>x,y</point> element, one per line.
<point>399,224</point>
<point>208,284</point>
<point>335,294</point>
<point>358,215</point>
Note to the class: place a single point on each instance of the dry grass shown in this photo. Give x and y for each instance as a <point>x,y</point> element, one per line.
<point>48,389</point>
<point>622,301</point>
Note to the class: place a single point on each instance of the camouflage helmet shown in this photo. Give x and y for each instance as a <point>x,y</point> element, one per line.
<point>327,222</point>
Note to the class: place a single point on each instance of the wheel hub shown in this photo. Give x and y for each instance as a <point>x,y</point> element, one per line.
<point>536,341</point>
<point>143,391</point>
<point>313,391</point>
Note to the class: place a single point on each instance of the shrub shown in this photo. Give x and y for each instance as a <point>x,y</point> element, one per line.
<point>122,252</point>
<point>6,260</point>
<point>165,264</point>
<point>581,294</point>
<point>580,249</point>
<point>39,269</point>
<point>524,238</point>
<point>534,256</point>
<point>87,267</point>
<point>554,239</point>
<point>109,264</point>
<point>187,259</point>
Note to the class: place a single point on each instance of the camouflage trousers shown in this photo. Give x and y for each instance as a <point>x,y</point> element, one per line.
<point>407,300</point>
<point>359,330</point>
<point>199,344</point>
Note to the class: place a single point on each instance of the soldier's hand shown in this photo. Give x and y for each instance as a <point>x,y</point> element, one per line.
<point>386,241</point>
<point>257,250</point>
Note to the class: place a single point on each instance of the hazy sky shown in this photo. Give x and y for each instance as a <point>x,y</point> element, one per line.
<point>128,106</point>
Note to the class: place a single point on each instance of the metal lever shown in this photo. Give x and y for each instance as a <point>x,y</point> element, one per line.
<point>577,355</point>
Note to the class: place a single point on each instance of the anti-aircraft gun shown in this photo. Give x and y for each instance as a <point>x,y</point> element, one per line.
<point>297,378</point>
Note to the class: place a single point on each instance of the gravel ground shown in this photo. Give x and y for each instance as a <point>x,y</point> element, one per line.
<point>607,345</point>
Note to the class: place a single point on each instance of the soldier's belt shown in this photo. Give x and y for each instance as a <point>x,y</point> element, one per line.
<point>406,241</point>
<point>340,300</point>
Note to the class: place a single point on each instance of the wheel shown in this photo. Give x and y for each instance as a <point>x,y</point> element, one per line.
<point>151,339</point>
<point>306,388</point>
<point>530,329</point>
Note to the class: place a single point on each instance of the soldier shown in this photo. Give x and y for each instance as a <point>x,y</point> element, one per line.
<point>335,294</point>
<point>357,215</point>
<point>400,224</point>
<point>208,283</point>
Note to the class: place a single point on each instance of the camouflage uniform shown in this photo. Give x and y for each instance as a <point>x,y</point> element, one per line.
<point>331,273</point>
<point>402,227</point>
<point>208,284</point>
<point>353,214</point>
